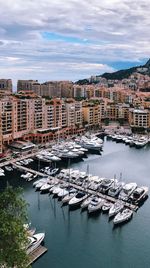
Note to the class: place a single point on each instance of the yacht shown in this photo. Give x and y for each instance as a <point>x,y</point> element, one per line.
<point>105,185</point>
<point>8,168</point>
<point>86,202</point>
<point>140,143</point>
<point>77,199</point>
<point>127,191</point>
<point>45,187</point>
<point>35,241</point>
<point>115,208</point>
<point>139,194</point>
<point>55,158</point>
<point>39,185</point>
<point>56,189</point>
<point>95,204</point>
<point>106,206</point>
<point>40,180</point>
<point>123,216</point>
<point>69,196</point>
<point>115,188</point>
<point>64,191</point>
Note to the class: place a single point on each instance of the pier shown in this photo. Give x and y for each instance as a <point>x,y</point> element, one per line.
<point>29,170</point>
<point>80,188</point>
<point>37,253</point>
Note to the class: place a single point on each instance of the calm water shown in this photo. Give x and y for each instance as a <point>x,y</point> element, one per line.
<point>75,240</point>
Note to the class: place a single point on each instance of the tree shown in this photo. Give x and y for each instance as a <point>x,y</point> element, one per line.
<point>13,236</point>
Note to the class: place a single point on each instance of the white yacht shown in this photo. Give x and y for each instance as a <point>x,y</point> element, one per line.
<point>40,180</point>
<point>77,199</point>
<point>115,208</point>
<point>8,168</point>
<point>123,216</point>
<point>141,142</point>
<point>45,187</point>
<point>69,196</point>
<point>63,192</point>
<point>139,194</point>
<point>55,158</point>
<point>127,191</point>
<point>106,206</point>
<point>35,241</point>
<point>105,185</point>
<point>115,188</point>
<point>86,202</point>
<point>95,204</point>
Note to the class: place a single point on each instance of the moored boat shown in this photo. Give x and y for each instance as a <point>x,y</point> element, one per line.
<point>106,206</point>
<point>127,191</point>
<point>115,208</point>
<point>123,216</point>
<point>139,194</point>
<point>77,199</point>
<point>35,241</point>
<point>95,204</point>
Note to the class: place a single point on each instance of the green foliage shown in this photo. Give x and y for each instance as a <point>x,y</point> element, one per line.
<point>13,236</point>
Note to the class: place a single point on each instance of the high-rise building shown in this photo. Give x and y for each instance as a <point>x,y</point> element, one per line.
<point>6,85</point>
<point>25,85</point>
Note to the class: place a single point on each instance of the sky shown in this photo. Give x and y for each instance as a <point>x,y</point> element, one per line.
<point>72,39</point>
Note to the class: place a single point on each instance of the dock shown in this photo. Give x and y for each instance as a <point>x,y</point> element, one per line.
<point>37,253</point>
<point>35,172</point>
<point>80,188</point>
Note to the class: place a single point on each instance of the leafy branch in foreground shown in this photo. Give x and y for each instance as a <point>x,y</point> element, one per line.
<point>13,236</point>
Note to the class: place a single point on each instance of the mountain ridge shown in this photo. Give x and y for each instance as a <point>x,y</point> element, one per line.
<point>121,74</point>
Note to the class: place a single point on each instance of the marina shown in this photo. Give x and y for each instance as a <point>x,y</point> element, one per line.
<point>80,188</point>
<point>67,230</point>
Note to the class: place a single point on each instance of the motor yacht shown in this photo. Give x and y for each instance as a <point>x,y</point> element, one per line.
<point>141,142</point>
<point>95,204</point>
<point>115,208</point>
<point>139,194</point>
<point>105,185</point>
<point>115,188</point>
<point>69,196</point>
<point>40,180</point>
<point>123,216</point>
<point>77,199</point>
<point>127,190</point>
<point>86,202</point>
<point>8,168</point>
<point>35,241</point>
<point>45,187</point>
<point>106,206</point>
<point>64,191</point>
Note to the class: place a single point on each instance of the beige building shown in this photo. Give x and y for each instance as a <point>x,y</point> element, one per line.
<point>25,85</point>
<point>139,118</point>
<point>91,114</point>
<point>74,113</point>
<point>6,85</point>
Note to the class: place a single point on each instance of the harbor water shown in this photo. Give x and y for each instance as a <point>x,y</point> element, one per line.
<point>75,239</point>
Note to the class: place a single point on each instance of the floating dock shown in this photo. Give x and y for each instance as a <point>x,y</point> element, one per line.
<point>37,253</point>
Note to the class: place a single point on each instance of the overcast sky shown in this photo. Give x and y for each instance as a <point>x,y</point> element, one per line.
<point>72,39</point>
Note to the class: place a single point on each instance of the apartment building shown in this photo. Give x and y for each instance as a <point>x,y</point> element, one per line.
<point>6,85</point>
<point>53,113</point>
<point>91,114</point>
<point>139,118</point>
<point>6,109</point>
<point>25,85</point>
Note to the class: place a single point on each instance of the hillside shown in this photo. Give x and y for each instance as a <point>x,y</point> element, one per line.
<point>121,74</point>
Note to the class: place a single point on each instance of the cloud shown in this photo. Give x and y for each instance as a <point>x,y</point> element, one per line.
<point>71,39</point>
